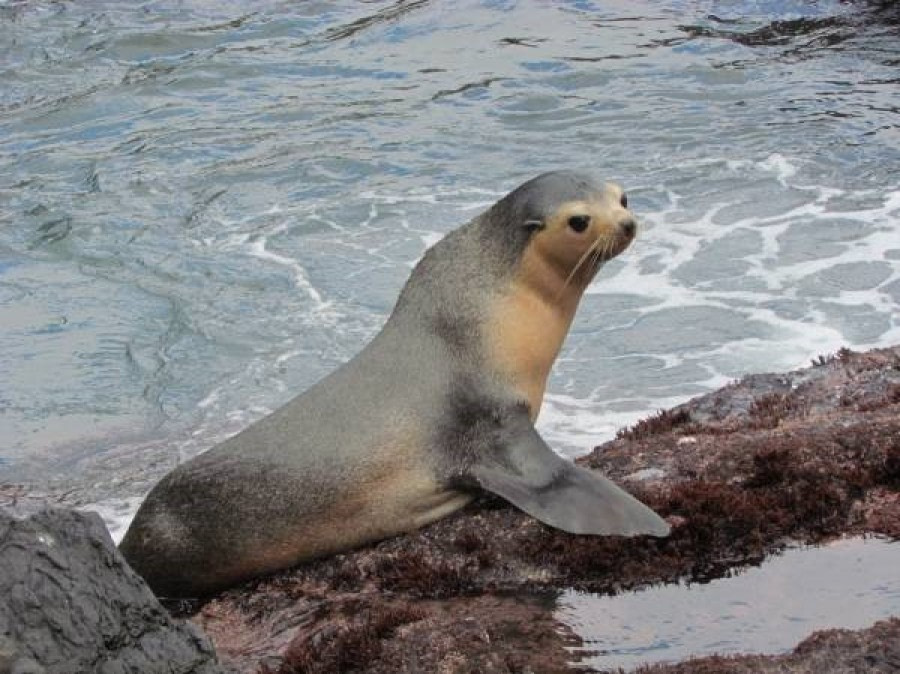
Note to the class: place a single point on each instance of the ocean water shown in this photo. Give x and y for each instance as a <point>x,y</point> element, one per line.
<point>206,207</point>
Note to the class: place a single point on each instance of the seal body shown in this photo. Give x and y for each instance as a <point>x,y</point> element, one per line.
<point>437,406</point>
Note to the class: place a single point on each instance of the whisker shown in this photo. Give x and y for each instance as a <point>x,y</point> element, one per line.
<point>604,253</point>
<point>596,257</point>
<point>608,248</point>
<point>577,266</point>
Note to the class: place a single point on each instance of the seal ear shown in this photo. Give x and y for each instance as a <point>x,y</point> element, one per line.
<point>532,226</point>
<point>526,472</point>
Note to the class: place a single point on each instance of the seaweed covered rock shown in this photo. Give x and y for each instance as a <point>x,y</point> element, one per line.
<point>70,603</point>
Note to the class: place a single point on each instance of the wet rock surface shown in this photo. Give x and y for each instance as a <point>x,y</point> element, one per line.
<point>740,473</point>
<point>69,603</point>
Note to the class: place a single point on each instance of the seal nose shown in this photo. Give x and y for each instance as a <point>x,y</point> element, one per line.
<point>629,226</point>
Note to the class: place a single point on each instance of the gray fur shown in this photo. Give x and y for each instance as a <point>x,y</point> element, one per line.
<point>266,490</point>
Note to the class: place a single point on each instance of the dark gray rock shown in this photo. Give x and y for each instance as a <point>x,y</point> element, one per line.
<point>69,603</point>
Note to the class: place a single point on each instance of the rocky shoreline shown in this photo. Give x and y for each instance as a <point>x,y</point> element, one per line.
<point>767,462</point>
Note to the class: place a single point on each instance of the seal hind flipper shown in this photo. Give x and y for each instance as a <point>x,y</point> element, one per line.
<point>530,475</point>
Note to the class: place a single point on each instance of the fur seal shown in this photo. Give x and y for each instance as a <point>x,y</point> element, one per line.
<point>439,404</point>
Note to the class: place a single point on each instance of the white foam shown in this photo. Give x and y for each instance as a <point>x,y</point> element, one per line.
<point>431,238</point>
<point>258,248</point>
<point>783,168</point>
<point>574,426</point>
<point>117,514</point>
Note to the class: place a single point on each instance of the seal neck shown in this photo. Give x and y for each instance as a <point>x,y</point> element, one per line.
<point>554,284</point>
<point>529,323</point>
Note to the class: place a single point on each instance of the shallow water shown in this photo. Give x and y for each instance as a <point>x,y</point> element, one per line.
<point>204,207</point>
<point>849,584</point>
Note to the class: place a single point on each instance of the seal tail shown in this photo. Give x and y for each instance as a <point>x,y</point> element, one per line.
<point>526,472</point>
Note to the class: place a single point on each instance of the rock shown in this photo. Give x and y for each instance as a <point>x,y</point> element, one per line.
<point>69,603</point>
<point>772,460</point>
<point>875,650</point>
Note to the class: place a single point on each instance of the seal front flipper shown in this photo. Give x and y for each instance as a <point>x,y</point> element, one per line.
<point>526,472</point>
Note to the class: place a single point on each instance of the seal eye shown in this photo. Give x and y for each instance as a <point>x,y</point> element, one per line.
<point>579,222</point>
<point>624,201</point>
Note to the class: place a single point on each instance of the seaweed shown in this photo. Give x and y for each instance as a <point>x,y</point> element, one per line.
<point>348,649</point>
<point>663,421</point>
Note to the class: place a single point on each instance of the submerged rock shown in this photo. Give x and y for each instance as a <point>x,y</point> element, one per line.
<point>740,473</point>
<point>69,603</point>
